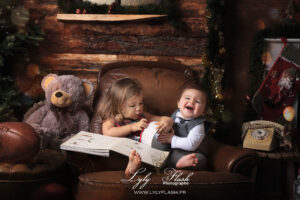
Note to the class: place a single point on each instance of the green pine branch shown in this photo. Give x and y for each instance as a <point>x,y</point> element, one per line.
<point>13,41</point>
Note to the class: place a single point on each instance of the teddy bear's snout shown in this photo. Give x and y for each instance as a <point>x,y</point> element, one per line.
<point>61,99</point>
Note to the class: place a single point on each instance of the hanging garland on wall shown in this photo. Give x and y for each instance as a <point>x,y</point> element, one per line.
<point>213,60</point>
<point>17,35</point>
<point>168,7</point>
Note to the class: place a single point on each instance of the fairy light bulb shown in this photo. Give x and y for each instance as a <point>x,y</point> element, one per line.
<point>289,113</point>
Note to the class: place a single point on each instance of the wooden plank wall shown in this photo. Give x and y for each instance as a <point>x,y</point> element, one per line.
<point>81,48</point>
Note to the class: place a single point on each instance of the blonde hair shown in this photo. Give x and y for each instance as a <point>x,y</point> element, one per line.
<point>117,94</point>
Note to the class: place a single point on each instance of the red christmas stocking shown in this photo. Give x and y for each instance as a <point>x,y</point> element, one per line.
<point>280,87</point>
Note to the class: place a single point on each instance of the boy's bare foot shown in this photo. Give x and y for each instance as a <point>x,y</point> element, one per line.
<point>133,164</point>
<point>187,161</point>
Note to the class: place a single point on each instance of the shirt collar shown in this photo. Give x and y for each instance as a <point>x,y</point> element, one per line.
<point>178,114</point>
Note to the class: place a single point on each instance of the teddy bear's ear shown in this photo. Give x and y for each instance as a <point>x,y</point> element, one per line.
<point>88,87</point>
<point>47,79</point>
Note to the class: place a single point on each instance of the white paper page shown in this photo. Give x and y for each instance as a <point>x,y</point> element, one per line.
<point>148,155</point>
<point>97,144</point>
<point>104,152</point>
<point>92,141</point>
<point>148,133</point>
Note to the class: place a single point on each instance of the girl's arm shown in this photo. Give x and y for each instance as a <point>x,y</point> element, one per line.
<point>164,123</point>
<point>109,128</point>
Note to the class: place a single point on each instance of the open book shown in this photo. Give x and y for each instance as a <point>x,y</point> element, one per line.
<point>100,145</point>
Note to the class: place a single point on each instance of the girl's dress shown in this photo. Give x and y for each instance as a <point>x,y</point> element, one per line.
<point>134,135</point>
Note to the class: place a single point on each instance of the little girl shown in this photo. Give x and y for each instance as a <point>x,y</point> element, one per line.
<point>122,112</point>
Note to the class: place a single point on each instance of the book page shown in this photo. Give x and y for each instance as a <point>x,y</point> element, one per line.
<point>89,143</point>
<point>97,144</point>
<point>148,155</point>
<point>148,133</point>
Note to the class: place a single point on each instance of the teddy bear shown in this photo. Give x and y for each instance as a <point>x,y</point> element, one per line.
<point>61,115</point>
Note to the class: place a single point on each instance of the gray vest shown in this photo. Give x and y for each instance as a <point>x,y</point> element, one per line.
<point>183,129</point>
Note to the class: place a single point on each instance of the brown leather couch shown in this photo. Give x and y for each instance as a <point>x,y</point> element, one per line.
<point>231,169</point>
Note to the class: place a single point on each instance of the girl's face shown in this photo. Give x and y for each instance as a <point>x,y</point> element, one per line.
<point>192,103</point>
<point>133,107</point>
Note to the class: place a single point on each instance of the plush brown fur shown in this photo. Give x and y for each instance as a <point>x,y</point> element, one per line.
<point>62,115</point>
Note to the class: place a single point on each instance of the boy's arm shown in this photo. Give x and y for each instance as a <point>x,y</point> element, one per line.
<point>192,141</point>
<point>189,143</point>
<point>164,123</point>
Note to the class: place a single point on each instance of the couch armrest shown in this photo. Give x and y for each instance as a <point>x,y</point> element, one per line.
<point>223,157</point>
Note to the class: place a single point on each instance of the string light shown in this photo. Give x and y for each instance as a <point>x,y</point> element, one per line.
<point>212,58</point>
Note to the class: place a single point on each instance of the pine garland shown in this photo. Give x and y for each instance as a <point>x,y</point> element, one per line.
<point>10,99</point>
<point>212,60</point>
<point>168,7</point>
<point>16,37</point>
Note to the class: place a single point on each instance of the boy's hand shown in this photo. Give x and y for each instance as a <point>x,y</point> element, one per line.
<point>164,124</point>
<point>140,125</point>
<point>166,137</point>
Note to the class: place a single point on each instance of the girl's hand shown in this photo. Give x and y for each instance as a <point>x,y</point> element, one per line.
<point>166,137</point>
<point>140,125</point>
<point>164,124</point>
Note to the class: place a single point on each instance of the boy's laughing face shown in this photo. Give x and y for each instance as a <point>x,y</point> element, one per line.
<point>192,103</point>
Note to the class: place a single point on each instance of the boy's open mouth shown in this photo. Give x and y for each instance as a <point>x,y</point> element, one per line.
<point>189,108</point>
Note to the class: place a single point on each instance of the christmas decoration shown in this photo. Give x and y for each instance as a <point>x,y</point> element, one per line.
<point>78,11</point>
<point>289,113</point>
<point>287,28</point>
<point>247,99</point>
<point>212,60</point>
<point>111,7</point>
<point>291,10</point>
<point>168,7</point>
<point>19,16</point>
<point>287,141</point>
<point>9,99</point>
<point>17,34</point>
<point>280,87</point>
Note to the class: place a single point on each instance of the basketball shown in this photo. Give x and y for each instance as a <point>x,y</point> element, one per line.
<point>18,142</point>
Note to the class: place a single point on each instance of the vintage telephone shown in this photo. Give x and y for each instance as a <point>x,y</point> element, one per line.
<point>261,134</point>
